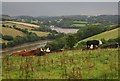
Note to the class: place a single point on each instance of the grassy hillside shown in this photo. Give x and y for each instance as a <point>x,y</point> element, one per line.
<point>18,25</point>
<point>25,24</point>
<point>106,35</point>
<point>112,34</point>
<point>12,32</point>
<point>40,34</point>
<point>75,64</point>
<point>22,26</point>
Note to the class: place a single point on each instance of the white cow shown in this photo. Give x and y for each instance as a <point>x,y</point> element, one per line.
<point>48,50</point>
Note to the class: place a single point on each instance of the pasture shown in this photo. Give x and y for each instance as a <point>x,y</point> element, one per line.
<point>22,26</point>
<point>25,24</point>
<point>40,34</point>
<point>18,25</point>
<point>74,64</point>
<point>112,34</point>
<point>78,25</point>
<point>11,32</point>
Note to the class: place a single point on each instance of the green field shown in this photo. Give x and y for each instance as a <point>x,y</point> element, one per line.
<point>11,32</point>
<point>78,25</point>
<point>41,34</point>
<point>75,64</point>
<point>112,34</point>
<point>80,22</point>
<point>25,24</point>
<point>18,25</point>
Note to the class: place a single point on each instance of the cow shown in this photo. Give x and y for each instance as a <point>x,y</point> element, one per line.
<point>47,50</point>
<point>42,52</point>
<point>92,44</point>
<point>18,53</point>
<point>27,52</point>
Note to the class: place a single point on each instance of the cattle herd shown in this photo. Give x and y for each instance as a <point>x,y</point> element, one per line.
<point>91,44</point>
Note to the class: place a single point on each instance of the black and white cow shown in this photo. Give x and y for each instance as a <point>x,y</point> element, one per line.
<point>91,44</point>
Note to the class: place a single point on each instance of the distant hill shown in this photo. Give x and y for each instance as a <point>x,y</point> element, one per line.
<point>10,31</point>
<point>112,34</point>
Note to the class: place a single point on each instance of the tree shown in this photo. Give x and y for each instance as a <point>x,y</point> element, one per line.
<point>70,41</point>
<point>89,31</point>
<point>56,44</point>
<point>10,44</point>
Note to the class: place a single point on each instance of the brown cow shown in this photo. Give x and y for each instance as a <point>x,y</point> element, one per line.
<point>17,53</point>
<point>28,52</point>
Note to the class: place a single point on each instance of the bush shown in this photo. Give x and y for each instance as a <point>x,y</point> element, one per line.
<point>30,37</point>
<point>56,44</point>
<point>10,44</point>
<point>3,25</point>
<point>70,41</point>
<point>7,37</point>
<point>3,45</point>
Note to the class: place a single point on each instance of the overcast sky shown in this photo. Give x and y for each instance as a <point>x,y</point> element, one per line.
<point>59,8</point>
<point>60,0</point>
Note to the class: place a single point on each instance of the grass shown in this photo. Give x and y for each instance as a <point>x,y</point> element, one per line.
<point>18,25</point>
<point>78,25</point>
<point>3,41</point>
<point>75,64</point>
<point>12,32</point>
<point>41,34</point>
<point>84,24</point>
<point>112,34</point>
<point>80,22</point>
<point>105,35</point>
<point>25,24</point>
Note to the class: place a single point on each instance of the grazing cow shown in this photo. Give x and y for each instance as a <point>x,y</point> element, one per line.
<point>93,44</point>
<point>17,53</point>
<point>27,52</point>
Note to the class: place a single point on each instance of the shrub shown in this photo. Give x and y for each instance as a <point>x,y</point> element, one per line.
<point>7,37</point>
<point>3,45</point>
